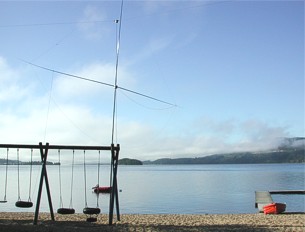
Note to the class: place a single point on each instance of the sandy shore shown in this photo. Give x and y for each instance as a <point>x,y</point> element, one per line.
<point>77,222</point>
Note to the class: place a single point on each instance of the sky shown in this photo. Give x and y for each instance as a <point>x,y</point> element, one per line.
<point>233,72</point>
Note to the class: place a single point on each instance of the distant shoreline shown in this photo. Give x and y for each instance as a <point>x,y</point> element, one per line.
<point>295,155</point>
<point>15,162</point>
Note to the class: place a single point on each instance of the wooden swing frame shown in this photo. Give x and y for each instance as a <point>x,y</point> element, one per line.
<point>114,198</point>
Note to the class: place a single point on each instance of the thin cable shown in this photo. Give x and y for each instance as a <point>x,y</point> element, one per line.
<point>146,107</point>
<point>66,74</point>
<point>206,3</point>
<point>71,121</point>
<point>108,21</point>
<point>56,23</point>
<point>144,95</point>
<point>50,48</point>
<point>97,82</point>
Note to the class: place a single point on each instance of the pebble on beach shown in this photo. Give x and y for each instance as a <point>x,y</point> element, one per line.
<point>158,222</point>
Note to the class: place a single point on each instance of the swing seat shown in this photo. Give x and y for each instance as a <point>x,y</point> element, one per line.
<point>3,201</point>
<point>24,204</point>
<point>66,211</point>
<point>91,211</point>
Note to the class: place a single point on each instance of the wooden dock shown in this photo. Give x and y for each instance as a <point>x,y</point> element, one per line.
<point>287,192</point>
<point>263,198</point>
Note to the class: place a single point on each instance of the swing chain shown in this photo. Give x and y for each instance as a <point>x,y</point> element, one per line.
<point>31,169</point>
<point>6,171</point>
<point>72,178</point>
<point>59,177</point>
<point>19,199</point>
<point>98,176</point>
<point>85,178</point>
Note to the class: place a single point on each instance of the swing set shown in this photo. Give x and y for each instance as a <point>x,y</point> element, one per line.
<point>90,212</point>
<point>19,203</point>
<point>63,210</point>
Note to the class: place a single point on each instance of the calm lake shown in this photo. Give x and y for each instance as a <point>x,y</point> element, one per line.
<point>162,189</point>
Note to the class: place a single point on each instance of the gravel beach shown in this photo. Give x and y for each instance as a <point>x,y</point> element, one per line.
<point>165,222</point>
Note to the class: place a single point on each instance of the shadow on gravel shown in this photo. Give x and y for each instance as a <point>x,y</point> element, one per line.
<point>81,226</point>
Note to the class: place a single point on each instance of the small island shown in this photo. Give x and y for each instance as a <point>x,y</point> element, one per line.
<point>127,161</point>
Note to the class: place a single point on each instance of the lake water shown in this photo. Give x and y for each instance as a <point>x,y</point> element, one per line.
<point>163,189</point>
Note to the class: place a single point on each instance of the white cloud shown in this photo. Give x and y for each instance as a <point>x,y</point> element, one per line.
<point>70,87</point>
<point>151,7</point>
<point>88,25</point>
<point>25,119</point>
<point>6,72</point>
<point>212,137</point>
<point>152,47</point>
<point>9,89</point>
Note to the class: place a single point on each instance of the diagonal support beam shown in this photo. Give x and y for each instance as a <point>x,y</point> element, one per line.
<point>114,197</point>
<point>43,177</point>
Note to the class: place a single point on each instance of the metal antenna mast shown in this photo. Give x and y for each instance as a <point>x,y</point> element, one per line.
<point>119,23</point>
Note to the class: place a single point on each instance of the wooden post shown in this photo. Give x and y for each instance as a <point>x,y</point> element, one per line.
<point>43,176</point>
<point>116,186</point>
<point>114,198</point>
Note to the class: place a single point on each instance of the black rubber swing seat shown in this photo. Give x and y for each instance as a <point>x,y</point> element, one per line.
<point>24,204</point>
<point>3,201</point>
<point>66,211</point>
<point>91,211</point>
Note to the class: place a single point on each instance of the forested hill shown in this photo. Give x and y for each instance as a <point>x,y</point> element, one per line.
<point>127,161</point>
<point>288,152</point>
<point>15,162</point>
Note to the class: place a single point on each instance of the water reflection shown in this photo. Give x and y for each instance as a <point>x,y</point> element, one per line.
<point>190,189</point>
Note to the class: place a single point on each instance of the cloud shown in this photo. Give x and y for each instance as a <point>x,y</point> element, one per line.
<point>72,118</point>
<point>89,26</point>
<point>77,90</point>
<point>6,72</point>
<point>8,89</point>
<point>70,87</point>
<point>152,7</point>
<point>79,112</point>
<point>209,136</point>
<point>24,108</point>
<point>152,47</point>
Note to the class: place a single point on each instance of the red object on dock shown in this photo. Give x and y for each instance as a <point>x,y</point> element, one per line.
<point>98,189</point>
<point>274,208</point>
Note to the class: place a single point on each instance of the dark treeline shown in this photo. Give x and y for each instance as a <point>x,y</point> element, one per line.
<point>291,150</point>
<point>285,156</point>
<point>15,162</point>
